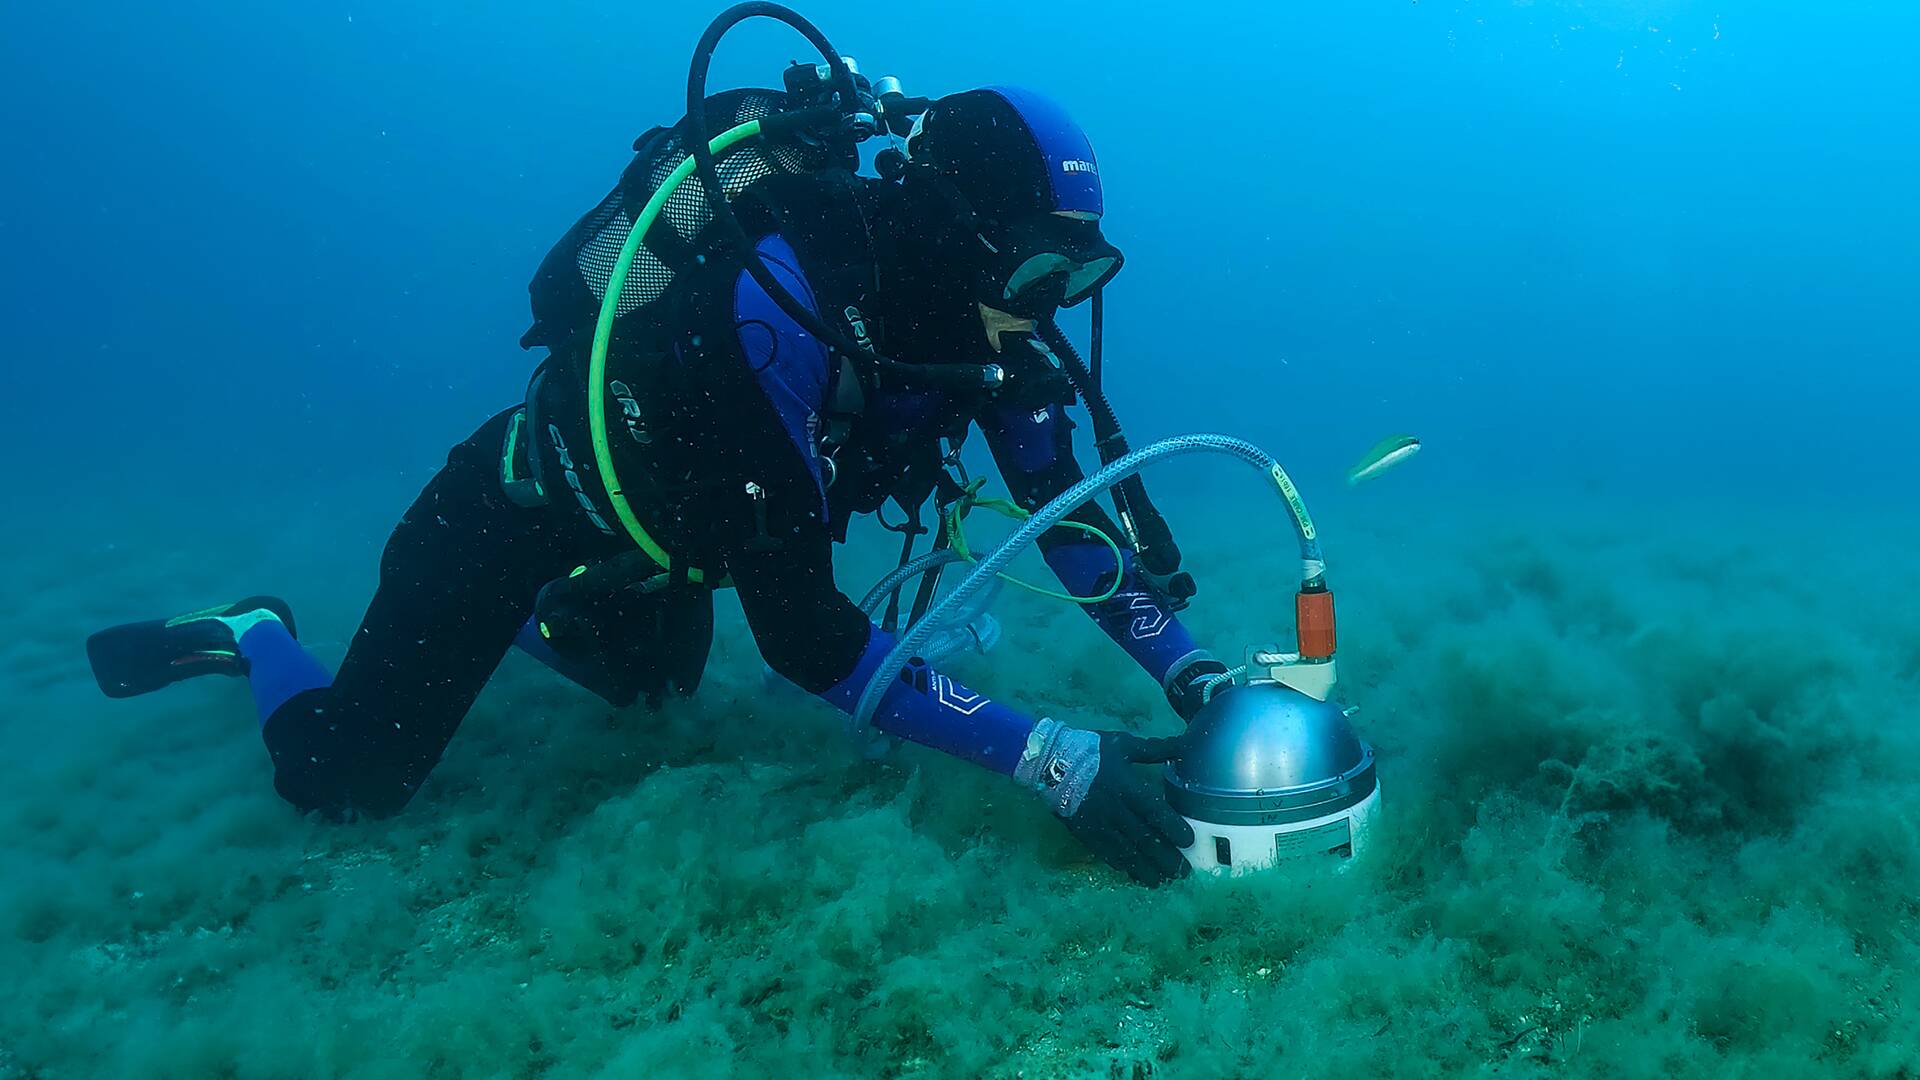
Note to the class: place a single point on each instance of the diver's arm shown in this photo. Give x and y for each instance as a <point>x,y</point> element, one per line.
<point>812,635</point>
<point>817,638</point>
<point>1033,445</point>
<point>781,560</point>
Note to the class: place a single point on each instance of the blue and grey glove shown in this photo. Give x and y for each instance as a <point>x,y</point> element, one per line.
<point>1186,687</point>
<point>1121,816</point>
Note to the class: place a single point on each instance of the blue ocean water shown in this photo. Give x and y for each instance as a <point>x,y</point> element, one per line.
<point>1656,244</point>
<point>1639,274</point>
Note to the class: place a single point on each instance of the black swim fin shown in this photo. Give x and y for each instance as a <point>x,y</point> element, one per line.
<point>141,657</point>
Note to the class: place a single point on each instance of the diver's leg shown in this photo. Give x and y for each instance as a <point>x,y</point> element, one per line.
<point>253,637</point>
<point>277,666</point>
<point>457,578</point>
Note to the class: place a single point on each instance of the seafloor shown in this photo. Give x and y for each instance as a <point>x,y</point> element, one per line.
<point>1651,783</point>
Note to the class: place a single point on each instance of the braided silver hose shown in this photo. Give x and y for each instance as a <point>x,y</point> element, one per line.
<point>1313,565</point>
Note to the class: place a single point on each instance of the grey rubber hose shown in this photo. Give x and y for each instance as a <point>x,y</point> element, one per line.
<point>1313,565</point>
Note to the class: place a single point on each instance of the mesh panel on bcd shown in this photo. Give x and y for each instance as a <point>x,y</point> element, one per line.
<point>686,210</point>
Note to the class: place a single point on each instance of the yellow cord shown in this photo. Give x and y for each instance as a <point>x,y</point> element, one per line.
<point>957,539</point>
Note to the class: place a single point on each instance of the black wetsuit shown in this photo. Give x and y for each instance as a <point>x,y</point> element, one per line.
<point>721,426</point>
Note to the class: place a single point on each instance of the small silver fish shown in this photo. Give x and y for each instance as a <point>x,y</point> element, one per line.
<point>1385,455</point>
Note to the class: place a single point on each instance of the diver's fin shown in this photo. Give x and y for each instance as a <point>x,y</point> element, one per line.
<point>141,657</point>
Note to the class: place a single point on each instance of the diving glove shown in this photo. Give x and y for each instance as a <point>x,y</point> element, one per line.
<point>1187,687</point>
<point>1087,778</point>
<point>1175,589</point>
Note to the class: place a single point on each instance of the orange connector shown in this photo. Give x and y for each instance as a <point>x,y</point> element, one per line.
<point>1313,622</point>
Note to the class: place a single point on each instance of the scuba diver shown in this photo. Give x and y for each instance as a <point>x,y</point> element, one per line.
<point>717,403</point>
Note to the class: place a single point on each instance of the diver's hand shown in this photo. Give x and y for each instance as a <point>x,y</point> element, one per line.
<point>1176,590</point>
<point>1088,778</point>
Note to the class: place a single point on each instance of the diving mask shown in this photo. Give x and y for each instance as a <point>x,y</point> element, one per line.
<point>1044,262</point>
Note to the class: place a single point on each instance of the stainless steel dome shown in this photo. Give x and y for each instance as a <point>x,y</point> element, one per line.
<point>1264,754</point>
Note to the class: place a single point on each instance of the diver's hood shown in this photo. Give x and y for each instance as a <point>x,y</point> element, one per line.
<point>1021,177</point>
<point>931,312</point>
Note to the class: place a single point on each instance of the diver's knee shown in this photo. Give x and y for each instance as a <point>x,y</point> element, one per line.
<point>322,768</point>
<point>339,797</point>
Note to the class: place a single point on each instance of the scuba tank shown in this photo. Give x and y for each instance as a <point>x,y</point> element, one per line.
<point>601,283</point>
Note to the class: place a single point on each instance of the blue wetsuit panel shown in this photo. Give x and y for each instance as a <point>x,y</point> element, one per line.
<point>1031,443</point>
<point>935,710</point>
<point>792,369</point>
<point>789,362</point>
